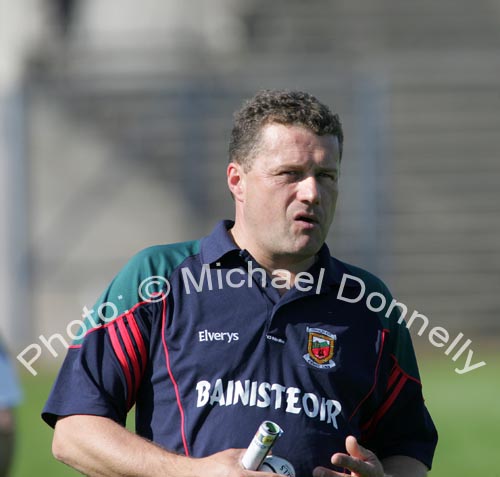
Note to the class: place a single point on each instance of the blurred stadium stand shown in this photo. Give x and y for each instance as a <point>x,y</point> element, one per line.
<point>127,124</point>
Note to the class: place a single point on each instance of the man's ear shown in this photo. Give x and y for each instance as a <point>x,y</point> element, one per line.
<point>236,180</point>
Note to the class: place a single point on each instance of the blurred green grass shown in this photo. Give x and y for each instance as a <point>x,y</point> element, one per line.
<point>466,409</point>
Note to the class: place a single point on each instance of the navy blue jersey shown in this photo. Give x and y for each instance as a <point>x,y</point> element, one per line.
<point>201,341</point>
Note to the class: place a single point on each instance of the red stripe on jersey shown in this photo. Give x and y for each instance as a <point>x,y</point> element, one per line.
<point>111,322</point>
<point>117,347</point>
<point>174,382</point>
<point>126,334</point>
<point>402,371</point>
<point>129,347</point>
<point>397,376</point>
<point>375,377</point>
<point>138,340</point>
<point>396,372</point>
<point>369,427</point>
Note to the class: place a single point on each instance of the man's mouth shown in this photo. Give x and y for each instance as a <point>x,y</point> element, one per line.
<point>307,219</point>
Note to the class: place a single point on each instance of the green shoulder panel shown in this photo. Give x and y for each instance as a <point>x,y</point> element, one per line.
<point>145,275</point>
<point>399,339</point>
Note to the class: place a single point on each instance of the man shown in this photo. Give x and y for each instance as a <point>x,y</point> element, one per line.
<point>10,396</point>
<point>211,337</point>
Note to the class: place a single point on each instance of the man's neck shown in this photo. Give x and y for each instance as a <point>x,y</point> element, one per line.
<point>290,265</point>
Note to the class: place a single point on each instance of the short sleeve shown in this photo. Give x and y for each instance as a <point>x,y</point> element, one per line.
<point>401,423</point>
<point>103,369</point>
<point>102,375</point>
<point>394,419</point>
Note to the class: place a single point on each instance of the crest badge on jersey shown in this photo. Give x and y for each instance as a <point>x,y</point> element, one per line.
<point>320,348</point>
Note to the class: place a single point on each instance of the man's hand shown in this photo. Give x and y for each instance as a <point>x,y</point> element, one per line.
<point>227,464</point>
<point>360,461</point>
<point>99,447</point>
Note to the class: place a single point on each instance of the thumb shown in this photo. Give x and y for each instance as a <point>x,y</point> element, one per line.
<point>356,450</point>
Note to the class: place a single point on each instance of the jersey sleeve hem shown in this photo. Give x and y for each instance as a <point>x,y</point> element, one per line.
<point>421,452</point>
<point>50,415</point>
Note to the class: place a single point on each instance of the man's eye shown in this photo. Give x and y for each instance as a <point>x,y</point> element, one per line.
<point>291,174</point>
<point>327,175</point>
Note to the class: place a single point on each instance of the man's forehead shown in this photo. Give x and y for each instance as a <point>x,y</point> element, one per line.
<point>279,139</point>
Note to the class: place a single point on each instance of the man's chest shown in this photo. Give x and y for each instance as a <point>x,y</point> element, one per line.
<point>248,351</point>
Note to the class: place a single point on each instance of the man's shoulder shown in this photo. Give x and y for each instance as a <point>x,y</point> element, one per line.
<point>350,273</point>
<point>387,309</point>
<point>144,278</point>
<point>148,271</point>
<point>164,258</point>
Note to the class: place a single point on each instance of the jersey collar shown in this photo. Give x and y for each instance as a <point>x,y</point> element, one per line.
<point>219,243</point>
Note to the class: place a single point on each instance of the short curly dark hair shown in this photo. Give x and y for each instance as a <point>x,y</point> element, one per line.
<point>281,107</point>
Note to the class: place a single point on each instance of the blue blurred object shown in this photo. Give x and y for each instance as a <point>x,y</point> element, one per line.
<point>10,392</point>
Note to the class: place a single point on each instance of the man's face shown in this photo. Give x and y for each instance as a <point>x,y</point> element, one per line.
<point>285,202</point>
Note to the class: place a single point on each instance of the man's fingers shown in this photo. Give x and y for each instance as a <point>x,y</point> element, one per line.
<point>357,450</point>
<point>352,463</point>
<point>324,472</point>
<point>362,462</point>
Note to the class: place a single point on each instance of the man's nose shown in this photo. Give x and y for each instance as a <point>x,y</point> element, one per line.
<point>309,190</point>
